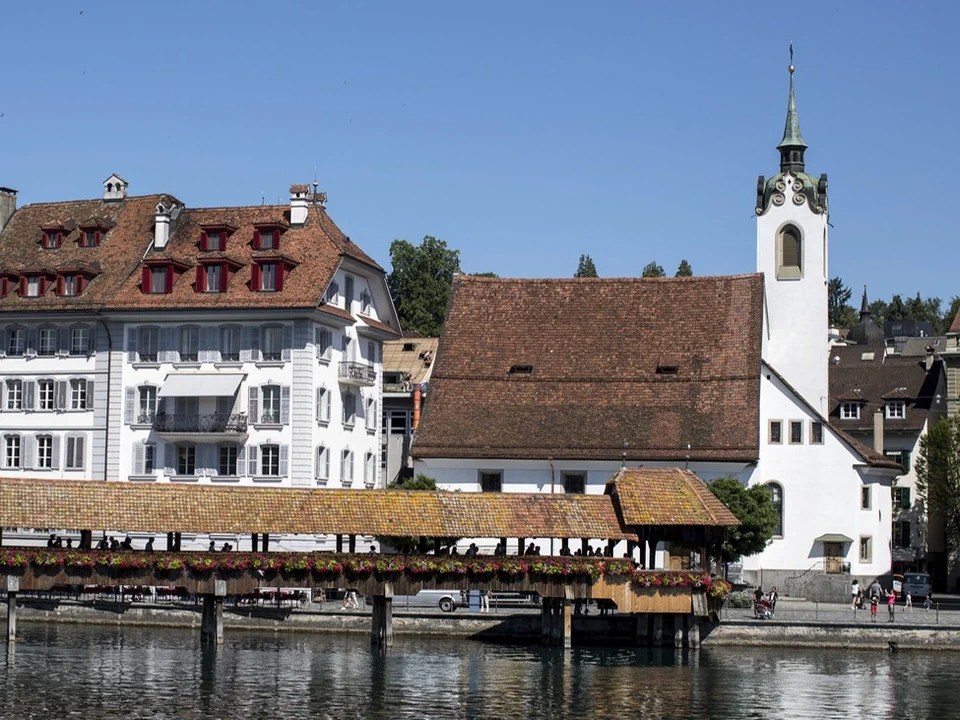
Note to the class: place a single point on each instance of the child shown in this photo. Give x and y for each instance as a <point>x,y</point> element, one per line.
<point>874,603</point>
<point>891,603</point>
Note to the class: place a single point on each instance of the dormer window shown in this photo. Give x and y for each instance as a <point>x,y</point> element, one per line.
<point>69,285</point>
<point>269,275</point>
<point>850,410</point>
<point>333,292</point>
<point>365,302</point>
<point>213,277</point>
<point>90,238</point>
<point>215,240</point>
<point>896,409</point>
<point>267,237</point>
<point>32,286</point>
<point>52,239</point>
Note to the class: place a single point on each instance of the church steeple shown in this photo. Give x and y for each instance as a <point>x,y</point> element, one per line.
<point>792,146</point>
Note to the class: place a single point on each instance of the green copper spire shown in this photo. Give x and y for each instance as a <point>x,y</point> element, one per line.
<point>792,146</point>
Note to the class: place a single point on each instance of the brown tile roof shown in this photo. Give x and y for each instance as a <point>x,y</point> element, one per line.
<point>313,252</point>
<point>666,496</point>
<point>955,326</point>
<point>165,507</point>
<point>117,256</point>
<point>379,326</point>
<point>595,347</point>
<point>876,379</point>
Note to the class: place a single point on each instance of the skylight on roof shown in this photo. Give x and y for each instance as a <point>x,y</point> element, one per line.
<point>521,369</point>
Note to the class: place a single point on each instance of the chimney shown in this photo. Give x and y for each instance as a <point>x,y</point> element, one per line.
<point>8,205</point>
<point>927,359</point>
<point>161,226</point>
<point>114,188</point>
<point>299,202</point>
<point>878,431</point>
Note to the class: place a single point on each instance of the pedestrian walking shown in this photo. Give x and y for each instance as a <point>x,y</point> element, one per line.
<point>891,604</point>
<point>854,593</point>
<point>484,601</point>
<point>874,606</point>
<point>908,603</point>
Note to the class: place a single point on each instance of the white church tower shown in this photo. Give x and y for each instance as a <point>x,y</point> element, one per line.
<point>792,214</point>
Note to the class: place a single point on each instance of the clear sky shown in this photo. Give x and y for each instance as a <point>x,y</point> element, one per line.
<point>522,133</point>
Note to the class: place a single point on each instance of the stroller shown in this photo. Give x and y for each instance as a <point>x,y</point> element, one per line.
<point>762,610</point>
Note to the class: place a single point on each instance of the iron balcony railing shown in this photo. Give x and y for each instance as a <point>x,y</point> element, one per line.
<point>207,423</point>
<point>357,372</point>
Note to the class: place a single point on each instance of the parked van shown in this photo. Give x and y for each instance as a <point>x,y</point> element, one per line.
<point>446,600</point>
<point>917,584</point>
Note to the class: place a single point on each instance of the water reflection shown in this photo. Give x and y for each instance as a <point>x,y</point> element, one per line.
<point>63,671</point>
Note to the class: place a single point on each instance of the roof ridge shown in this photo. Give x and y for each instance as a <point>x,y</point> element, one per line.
<point>602,280</point>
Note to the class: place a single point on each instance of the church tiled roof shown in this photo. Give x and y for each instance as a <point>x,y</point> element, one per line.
<point>597,369</point>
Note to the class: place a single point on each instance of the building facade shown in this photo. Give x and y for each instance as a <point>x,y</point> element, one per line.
<point>150,342</point>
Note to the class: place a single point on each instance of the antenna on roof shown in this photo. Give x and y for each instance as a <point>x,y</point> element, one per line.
<point>263,198</point>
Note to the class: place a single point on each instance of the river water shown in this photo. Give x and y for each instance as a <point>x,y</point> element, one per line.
<point>62,671</point>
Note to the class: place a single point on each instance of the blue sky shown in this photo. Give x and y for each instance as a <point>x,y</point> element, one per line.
<point>522,133</point>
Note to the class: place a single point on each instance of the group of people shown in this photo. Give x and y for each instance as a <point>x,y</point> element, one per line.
<point>105,543</point>
<point>212,547</point>
<point>765,603</point>
<point>876,593</point>
<point>472,551</point>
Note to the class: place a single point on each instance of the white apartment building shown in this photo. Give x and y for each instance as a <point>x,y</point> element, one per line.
<point>150,342</point>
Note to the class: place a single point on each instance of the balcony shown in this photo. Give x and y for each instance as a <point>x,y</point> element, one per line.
<point>357,374</point>
<point>197,427</point>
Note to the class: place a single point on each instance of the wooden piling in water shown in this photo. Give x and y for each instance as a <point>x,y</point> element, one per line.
<point>13,588</point>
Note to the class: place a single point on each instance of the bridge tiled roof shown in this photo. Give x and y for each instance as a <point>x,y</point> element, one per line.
<point>164,507</point>
<point>666,496</point>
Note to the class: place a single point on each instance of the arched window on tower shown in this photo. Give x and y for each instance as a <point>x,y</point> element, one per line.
<point>789,252</point>
<point>776,499</point>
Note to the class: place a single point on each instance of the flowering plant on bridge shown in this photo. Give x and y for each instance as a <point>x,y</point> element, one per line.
<point>168,564</point>
<point>390,566</point>
<point>48,560</point>
<point>512,568</point>
<point>671,578</point>
<point>327,566</point>
<point>13,559</point>
<point>265,562</point>
<point>234,563</point>
<point>719,588</point>
<point>564,567</point>
<point>359,566</point>
<point>113,561</point>
<point>297,563</point>
<point>205,564</point>
<point>618,568</point>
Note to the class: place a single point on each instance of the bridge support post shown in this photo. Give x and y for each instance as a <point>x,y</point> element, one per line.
<point>643,634</point>
<point>693,635</point>
<point>13,588</point>
<point>381,629</point>
<point>679,625</point>
<point>565,624</point>
<point>211,622</point>
<point>546,620</point>
<point>658,630</point>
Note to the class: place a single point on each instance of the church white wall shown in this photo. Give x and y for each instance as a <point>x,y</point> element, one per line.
<point>821,491</point>
<point>795,319</point>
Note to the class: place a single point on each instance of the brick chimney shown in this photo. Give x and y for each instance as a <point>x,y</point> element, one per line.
<point>299,204</point>
<point>8,205</point>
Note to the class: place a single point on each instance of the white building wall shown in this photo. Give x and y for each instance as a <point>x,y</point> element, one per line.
<point>795,332</point>
<point>822,487</point>
<point>62,423</point>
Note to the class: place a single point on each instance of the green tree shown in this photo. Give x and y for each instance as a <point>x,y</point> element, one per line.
<point>842,315</point>
<point>879,309</point>
<point>947,320</point>
<point>684,269</point>
<point>896,310</point>
<point>938,477</point>
<point>412,545</point>
<point>420,281</point>
<point>485,274</point>
<point>652,270</point>
<point>754,509</point>
<point>586,268</point>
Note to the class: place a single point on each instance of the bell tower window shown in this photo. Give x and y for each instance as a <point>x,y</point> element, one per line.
<point>789,253</point>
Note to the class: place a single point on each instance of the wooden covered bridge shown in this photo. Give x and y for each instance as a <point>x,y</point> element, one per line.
<point>640,507</point>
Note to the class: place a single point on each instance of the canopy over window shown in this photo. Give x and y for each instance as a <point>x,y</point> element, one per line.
<point>194,385</point>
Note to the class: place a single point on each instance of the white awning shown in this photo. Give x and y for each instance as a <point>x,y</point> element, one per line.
<point>194,385</point>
